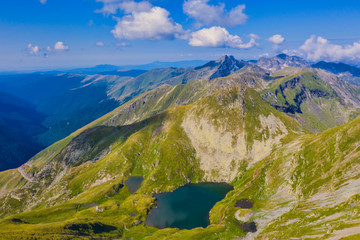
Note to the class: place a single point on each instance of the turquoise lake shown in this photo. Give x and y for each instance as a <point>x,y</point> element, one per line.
<point>187,207</point>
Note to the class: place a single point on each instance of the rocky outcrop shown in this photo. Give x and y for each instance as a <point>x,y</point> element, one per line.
<point>281,61</point>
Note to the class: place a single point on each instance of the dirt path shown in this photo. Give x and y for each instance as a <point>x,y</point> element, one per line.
<point>23,173</point>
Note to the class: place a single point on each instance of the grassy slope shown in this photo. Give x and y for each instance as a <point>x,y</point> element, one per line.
<point>305,215</point>
<point>156,148</point>
<point>151,103</point>
<point>310,100</point>
<point>283,186</point>
<point>309,187</point>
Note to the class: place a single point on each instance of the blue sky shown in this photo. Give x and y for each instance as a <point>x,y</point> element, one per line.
<point>49,34</point>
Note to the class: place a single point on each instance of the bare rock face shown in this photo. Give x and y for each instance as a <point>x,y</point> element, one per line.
<point>226,66</point>
<point>281,61</point>
<point>221,149</point>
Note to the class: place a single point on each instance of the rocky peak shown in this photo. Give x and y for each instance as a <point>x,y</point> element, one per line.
<point>282,56</point>
<point>226,59</point>
<point>281,61</point>
<point>224,66</point>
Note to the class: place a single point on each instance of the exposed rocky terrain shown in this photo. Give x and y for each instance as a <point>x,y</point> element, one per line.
<point>281,61</point>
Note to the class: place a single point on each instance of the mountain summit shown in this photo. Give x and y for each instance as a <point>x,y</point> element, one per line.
<point>280,61</point>
<point>223,67</point>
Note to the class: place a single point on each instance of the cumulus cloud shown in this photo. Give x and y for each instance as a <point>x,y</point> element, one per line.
<point>277,39</point>
<point>100,44</point>
<point>128,6</point>
<point>210,15</point>
<point>43,1</point>
<point>318,48</point>
<point>142,21</point>
<point>219,37</point>
<point>154,24</point>
<point>33,50</point>
<point>60,46</point>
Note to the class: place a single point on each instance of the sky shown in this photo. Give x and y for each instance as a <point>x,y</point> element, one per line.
<point>55,34</point>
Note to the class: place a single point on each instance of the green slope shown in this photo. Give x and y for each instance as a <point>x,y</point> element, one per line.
<point>91,168</point>
<point>315,99</point>
<point>221,130</point>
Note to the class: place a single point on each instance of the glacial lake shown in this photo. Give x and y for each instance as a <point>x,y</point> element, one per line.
<point>187,207</point>
<point>134,183</point>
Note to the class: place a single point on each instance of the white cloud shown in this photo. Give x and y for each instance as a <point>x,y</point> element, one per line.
<point>253,35</point>
<point>122,44</point>
<point>210,15</point>
<point>59,46</point>
<point>43,1</point>
<point>218,37</point>
<point>154,24</point>
<point>131,6</point>
<point>142,21</point>
<point>128,6</point>
<point>292,52</point>
<point>277,39</point>
<point>33,50</point>
<point>319,48</point>
<point>100,44</point>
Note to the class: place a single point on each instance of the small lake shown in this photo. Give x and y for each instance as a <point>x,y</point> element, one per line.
<point>187,207</point>
<point>134,183</point>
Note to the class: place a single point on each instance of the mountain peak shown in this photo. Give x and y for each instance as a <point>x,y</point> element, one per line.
<point>222,67</point>
<point>281,61</point>
<point>226,58</point>
<point>282,56</point>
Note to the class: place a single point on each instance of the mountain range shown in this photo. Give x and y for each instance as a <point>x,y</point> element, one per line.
<point>283,132</point>
<point>69,101</point>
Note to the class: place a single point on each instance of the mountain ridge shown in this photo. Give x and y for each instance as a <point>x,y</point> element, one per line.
<point>288,162</point>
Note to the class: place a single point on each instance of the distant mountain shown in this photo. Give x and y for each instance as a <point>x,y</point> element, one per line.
<point>157,64</point>
<point>337,68</point>
<point>281,61</point>
<point>222,67</point>
<point>67,101</point>
<point>19,124</point>
<point>347,72</point>
<point>108,69</point>
<point>94,70</point>
<point>124,73</point>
